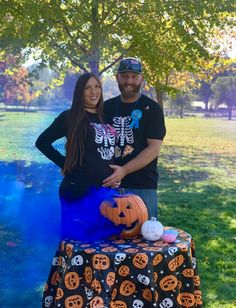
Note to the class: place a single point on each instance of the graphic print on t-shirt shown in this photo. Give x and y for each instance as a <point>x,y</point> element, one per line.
<point>123,130</point>
<point>128,150</point>
<point>105,135</point>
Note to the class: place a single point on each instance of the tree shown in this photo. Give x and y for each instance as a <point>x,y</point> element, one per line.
<point>95,34</point>
<point>179,40</point>
<point>224,89</point>
<point>208,72</point>
<point>83,34</point>
<point>14,81</point>
<point>182,100</point>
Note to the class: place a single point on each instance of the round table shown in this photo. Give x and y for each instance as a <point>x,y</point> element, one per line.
<point>118,273</point>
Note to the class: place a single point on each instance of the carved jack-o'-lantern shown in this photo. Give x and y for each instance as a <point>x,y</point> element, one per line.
<point>196,280</point>
<point>131,250</point>
<point>72,280</point>
<point>113,294</point>
<point>142,244</point>
<point>100,261</point>
<point>147,294</point>
<point>127,288</point>
<point>198,297</point>
<point>155,276</point>
<point>123,270</point>
<point>69,248</point>
<point>88,274</point>
<point>188,272</point>
<point>74,301</point>
<point>152,248</point>
<point>127,210</point>
<point>183,247</point>
<point>176,262</point>
<point>180,284</point>
<point>137,240</point>
<point>186,299</point>
<point>45,288</point>
<point>118,304</point>
<point>140,260</point>
<point>59,294</point>
<point>156,296</point>
<point>109,249</point>
<point>97,302</point>
<point>157,259</point>
<point>55,278</point>
<point>110,280</point>
<point>168,283</point>
<point>90,250</point>
<point>96,286</point>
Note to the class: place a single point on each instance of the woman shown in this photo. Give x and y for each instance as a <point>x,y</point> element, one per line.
<point>89,151</point>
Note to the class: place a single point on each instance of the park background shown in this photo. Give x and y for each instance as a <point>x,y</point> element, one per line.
<point>188,49</point>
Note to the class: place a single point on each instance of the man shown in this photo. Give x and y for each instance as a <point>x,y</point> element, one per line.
<point>140,129</point>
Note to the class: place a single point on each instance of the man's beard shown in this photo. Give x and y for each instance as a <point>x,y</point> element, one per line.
<point>129,93</point>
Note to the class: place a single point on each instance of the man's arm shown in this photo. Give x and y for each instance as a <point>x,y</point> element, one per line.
<point>141,160</point>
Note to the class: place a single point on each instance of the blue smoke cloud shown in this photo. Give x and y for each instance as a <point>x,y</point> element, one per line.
<point>36,212</point>
<point>82,220</point>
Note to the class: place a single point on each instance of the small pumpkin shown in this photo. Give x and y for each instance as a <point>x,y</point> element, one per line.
<point>126,210</point>
<point>127,288</point>
<point>152,230</point>
<point>97,302</point>
<point>72,280</point>
<point>168,283</point>
<point>124,270</point>
<point>100,261</point>
<point>140,260</point>
<point>74,301</point>
<point>186,299</point>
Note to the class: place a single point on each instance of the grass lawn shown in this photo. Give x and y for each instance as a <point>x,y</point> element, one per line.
<point>197,193</point>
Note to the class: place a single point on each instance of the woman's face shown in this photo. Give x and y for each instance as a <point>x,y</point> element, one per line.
<point>92,93</point>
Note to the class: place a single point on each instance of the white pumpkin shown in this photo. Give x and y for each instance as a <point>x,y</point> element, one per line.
<point>152,230</point>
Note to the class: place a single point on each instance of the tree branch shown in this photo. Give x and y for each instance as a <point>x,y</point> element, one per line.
<point>69,57</point>
<point>74,40</point>
<point>114,62</point>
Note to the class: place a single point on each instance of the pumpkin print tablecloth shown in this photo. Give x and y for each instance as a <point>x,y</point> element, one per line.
<point>124,273</point>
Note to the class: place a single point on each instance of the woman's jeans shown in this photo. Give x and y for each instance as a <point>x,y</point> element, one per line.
<point>149,197</point>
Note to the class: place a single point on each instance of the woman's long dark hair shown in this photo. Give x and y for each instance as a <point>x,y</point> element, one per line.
<point>77,124</point>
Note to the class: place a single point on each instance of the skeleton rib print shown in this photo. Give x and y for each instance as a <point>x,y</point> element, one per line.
<point>104,134</point>
<point>123,130</point>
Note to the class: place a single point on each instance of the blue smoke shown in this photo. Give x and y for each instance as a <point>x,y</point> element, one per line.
<point>82,220</point>
<point>34,210</point>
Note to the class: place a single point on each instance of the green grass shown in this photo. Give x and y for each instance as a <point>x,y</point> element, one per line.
<point>197,189</point>
<point>197,192</point>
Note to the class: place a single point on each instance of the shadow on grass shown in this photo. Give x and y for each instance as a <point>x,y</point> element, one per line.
<point>30,215</point>
<point>29,230</point>
<point>207,215</point>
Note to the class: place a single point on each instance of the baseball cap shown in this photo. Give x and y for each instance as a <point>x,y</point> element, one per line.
<point>130,65</point>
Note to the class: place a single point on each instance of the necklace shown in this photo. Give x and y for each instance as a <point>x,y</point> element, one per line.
<point>136,114</point>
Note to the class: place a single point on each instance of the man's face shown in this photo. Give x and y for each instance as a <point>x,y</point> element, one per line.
<point>129,84</point>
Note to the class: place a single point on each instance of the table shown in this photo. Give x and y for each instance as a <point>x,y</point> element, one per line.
<point>121,273</point>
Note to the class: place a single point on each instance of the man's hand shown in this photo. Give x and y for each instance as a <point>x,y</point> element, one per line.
<point>118,174</point>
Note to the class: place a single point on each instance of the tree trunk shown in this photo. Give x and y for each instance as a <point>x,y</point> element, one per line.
<point>229,111</point>
<point>94,66</point>
<point>206,102</point>
<point>181,111</point>
<point>159,95</point>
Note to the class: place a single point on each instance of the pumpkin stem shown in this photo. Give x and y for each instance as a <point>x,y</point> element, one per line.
<point>153,219</point>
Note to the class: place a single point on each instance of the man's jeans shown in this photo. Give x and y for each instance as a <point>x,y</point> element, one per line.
<point>149,197</point>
